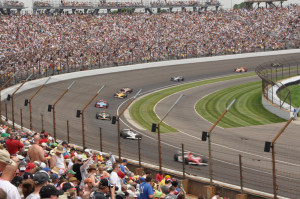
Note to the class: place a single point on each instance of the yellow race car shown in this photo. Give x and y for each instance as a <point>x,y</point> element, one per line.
<point>120,95</point>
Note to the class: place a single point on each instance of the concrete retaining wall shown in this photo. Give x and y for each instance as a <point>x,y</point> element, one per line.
<point>286,111</point>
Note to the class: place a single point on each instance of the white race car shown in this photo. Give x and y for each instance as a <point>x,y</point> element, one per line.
<point>177,79</point>
<point>129,134</point>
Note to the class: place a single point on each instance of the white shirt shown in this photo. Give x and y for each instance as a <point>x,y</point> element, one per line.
<point>33,196</point>
<point>114,179</point>
<point>11,191</point>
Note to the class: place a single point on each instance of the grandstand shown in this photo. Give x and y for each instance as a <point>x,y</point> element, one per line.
<point>7,5</point>
<point>148,6</point>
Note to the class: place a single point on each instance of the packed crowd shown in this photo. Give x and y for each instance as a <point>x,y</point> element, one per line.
<point>14,3</point>
<point>34,165</point>
<point>40,42</point>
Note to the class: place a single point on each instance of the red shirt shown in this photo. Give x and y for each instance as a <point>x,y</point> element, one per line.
<point>43,140</point>
<point>159,178</point>
<point>13,146</point>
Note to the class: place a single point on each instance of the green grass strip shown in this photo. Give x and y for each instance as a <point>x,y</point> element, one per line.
<point>143,113</point>
<point>246,111</point>
<point>295,94</point>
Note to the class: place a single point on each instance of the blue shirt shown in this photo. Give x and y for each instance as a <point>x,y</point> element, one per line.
<point>145,190</point>
<point>122,168</point>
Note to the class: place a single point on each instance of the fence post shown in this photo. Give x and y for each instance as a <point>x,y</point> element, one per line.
<point>68,132</point>
<point>241,195</point>
<point>42,121</point>
<point>183,161</point>
<point>6,119</point>
<point>21,118</point>
<point>101,146</point>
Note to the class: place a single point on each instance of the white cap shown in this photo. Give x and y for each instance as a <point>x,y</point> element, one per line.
<point>44,144</point>
<point>50,138</point>
<point>87,151</point>
<point>43,165</point>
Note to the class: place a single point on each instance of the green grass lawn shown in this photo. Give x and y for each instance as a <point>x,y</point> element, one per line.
<point>246,111</point>
<point>143,113</point>
<point>295,94</point>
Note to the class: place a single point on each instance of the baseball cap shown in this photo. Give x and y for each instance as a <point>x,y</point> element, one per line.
<point>62,171</point>
<point>124,160</point>
<point>40,178</point>
<point>53,176</point>
<point>44,144</point>
<point>72,179</point>
<point>64,142</point>
<point>71,172</point>
<point>47,169</point>
<point>48,191</point>
<point>131,194</point>
<point>5,157</point>
<point>104,182</point>
<point>29,166</point>
<point>87,150</point>
<point>87,180</point>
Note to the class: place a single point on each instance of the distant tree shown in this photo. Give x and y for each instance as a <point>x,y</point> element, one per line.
<point>242,5</point>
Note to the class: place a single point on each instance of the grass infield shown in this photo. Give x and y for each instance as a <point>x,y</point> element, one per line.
<point>295,94</point>
<point>246,111</point>
<point>142,111</point>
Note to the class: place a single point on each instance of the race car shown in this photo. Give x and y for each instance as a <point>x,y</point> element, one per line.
<point>103,116</point>
<point>240,70</point>
<point>101,104</point>
<point>129,134</point>
<point>177,79</point>
<point>126,90</point>
<point>189,158</point>
<point>120,95</point>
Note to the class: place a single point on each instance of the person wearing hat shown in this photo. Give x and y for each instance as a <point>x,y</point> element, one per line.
<point>7,175</point>
<point>5,159</point>
<point>65,147</point>
<point>43,138</point>
<point>35,151</point>
<point>13,144</point>
<point>114,178</point>
<point>92,171</point>
<point>70,174</point>
<point>101,172</point>
<point>88,186</point>
<point>124,168</point>
<point>146,190</point>
<point>54,179</point>
<point>49,191</point>
<point>57,160</point>
<point>30,167</point>
<point>40,179</point>
<point>76,166</point>
<point>74,181</point>
<point>104,189</point>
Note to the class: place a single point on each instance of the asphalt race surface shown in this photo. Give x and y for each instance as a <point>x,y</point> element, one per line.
<point>227,144</point>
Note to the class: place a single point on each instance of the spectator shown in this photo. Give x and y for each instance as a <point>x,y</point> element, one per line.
<point>65,147</point>
<point>3,194</point>
<point>159,177</point>
<point>76,167</point>
<point>4,159</point>
<point>146,190</point>
<point>13,144</point>
<point>7,175</point>
<point>124,168</point>
<point>54,179</point>
<point>103,190</point>
<point>49,191</point>
<point>114,178</point>
<point>27,187</point>
<point>40,179</point>
<point>57,160</point>
<point>36,152</point>
<point>171,194</point>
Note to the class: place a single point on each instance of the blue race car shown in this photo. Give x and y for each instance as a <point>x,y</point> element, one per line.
<point>101,104</point>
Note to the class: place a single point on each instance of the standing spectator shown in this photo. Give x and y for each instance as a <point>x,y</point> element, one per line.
<point>65,147</point>
<point>27,187</point>
<point>124,168</point>
<point>44,138</point>
<point>114,178</point>
<point>35,151</point>
<point>57,160</point>
<point>40,179</point>
<point>159,177</point>
<point>146,190</point>
<point>76,167</point>
<point>13,144</point>
<point>70,174</point>
<point>83,170</point>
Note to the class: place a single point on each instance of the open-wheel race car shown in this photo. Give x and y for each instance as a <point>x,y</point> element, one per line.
<point>189,158</point>
<point>129,134</point>
<point>126,90</point>
<point>103,116</point>
<point>240,69</point>
<point>120,95</point>
<point>101,104</point>
<point>177,78</point>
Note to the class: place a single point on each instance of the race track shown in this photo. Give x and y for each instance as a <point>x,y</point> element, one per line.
<point>227,144</point>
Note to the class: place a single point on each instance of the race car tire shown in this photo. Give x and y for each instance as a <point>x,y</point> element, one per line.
<point>182,79</point>
<point>204,160</point>
<point>96,116</point>
<point>122,134</point>
<point>186,160</point>
<point>106,105</point>
<point>176,157</point>
<point>139,136</point>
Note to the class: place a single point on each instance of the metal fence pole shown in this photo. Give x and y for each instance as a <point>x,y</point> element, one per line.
<point>241,173</point>
<point>6,119</point>
<point>101,145</point>
<point>183,161</point>
<point>68,132</point>
<point>21,118</point>
<point>42,121</point>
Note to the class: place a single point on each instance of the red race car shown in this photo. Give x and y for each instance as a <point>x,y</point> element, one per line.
<point>189,158</point>
<point>126,90</point>
<point>240,70</point>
